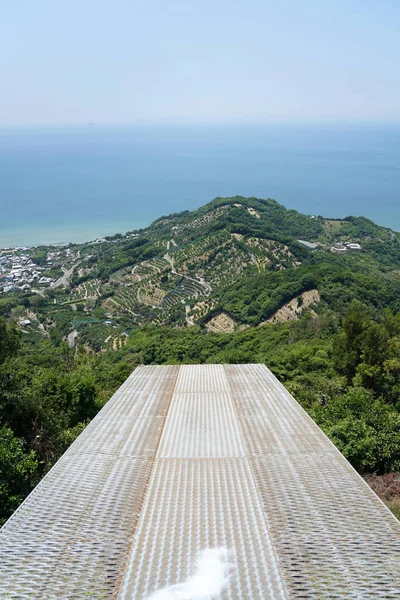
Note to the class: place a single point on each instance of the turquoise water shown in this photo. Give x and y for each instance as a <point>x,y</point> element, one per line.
<point>75,184</point>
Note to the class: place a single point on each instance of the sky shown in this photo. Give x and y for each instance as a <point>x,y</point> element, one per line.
<point>123,61</point>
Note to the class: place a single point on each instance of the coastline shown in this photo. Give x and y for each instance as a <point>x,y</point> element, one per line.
<point>63,236</point>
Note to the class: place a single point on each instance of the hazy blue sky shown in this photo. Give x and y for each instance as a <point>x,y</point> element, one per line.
<point>109,61</point>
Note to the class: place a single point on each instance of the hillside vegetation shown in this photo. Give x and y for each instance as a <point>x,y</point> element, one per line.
<point>230,282</point>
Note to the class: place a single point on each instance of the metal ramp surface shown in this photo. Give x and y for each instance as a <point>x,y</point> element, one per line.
<point>189,458</point>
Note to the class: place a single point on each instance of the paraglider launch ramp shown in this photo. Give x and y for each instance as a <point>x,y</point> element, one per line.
<point>185,459</point>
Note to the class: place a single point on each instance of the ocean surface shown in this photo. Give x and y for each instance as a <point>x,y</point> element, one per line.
<point>78,183</point>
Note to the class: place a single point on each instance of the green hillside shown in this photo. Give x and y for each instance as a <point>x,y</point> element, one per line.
<point>238,280</point>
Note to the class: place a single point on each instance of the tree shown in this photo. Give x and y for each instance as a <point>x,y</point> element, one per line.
<point>17,470</point>
<point>9,341</point>
<point>348,345</point>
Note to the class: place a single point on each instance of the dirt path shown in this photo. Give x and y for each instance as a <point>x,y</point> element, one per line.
<point>203,283</point>
<point>71,338</point>
<point>136,274</point>
<point>170,260</point>
<point>173,242</point>
<point>189,320</point>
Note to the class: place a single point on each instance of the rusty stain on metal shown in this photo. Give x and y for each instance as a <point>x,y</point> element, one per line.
<point>193,457</point>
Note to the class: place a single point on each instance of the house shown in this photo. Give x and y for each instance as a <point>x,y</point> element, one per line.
<point>309,245</point>
<point>24,322</point>
<point>339,247</point>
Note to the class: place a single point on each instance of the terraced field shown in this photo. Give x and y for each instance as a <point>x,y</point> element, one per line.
<point>126,298</point>
<point>176,271</point>
<point>220,258</point>
<point>88,289</point>
<point>187,274</point>
<point>201,308</point>
<point>185,290</point>
<point>202,221</point>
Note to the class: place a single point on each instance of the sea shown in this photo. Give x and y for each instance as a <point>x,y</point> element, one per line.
<point>73,184</point>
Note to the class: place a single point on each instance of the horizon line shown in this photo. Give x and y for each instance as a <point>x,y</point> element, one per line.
<point>177,122</point>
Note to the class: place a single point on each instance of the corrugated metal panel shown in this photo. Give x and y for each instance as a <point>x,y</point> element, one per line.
<point>334,537</point>
<point>202,494</point>
<point>202,425</point>
<point>71,536</point>
<point>202,378</point>
<point>192,504</point>
<point>187,458</point>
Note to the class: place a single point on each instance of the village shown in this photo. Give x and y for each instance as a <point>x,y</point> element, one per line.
<point>20,273</point>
